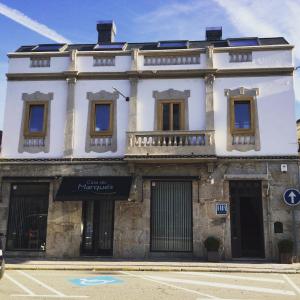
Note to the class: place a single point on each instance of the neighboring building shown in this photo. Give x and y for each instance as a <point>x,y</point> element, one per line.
<point>199,149</point>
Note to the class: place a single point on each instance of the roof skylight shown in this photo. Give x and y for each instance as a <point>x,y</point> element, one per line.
<point>110,46</point>
<point>243,42</point>
<point>48,47</point>
<point>173,44</point>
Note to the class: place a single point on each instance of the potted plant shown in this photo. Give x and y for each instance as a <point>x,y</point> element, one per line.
<point>285,249</point>
<point>212,246</point>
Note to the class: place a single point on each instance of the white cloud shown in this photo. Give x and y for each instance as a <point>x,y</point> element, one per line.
<point>42,29</point>
<point>184,20</point>
<point>265,18</point>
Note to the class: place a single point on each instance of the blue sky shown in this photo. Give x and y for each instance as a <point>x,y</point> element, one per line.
<point>143,20</point>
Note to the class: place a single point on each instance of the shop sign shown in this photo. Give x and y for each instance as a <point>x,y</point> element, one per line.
<point>221,208</point>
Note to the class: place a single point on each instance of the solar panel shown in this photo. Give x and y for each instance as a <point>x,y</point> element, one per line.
<point>111,46</point>
<point>173,44</point>
<point>25,49</point>
<point>48,47</point>
<point>243,42</point>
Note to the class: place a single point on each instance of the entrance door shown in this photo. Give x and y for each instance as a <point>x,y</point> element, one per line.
<point>247,234</point>
<point>98,223</point>
<point>171,216</point>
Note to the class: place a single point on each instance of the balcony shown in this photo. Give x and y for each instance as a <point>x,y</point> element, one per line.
<point>171,143</point>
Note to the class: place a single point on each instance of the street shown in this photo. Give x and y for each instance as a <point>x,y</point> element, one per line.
<point>37,284</point>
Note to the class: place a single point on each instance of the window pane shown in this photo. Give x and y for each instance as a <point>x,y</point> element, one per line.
<point>242,115</point>
<point>176,117</point>
<point>166,116</point>
<point>36,118</point>
<point>27,224</point>
<point>102,117</point>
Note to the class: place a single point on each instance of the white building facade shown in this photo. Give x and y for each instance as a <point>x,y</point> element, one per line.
<point>146,149</point>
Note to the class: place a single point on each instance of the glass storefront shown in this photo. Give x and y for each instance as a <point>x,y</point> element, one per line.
<point>28,212</point>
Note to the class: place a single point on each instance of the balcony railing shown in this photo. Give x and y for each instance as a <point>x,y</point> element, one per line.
<point>171,142</point>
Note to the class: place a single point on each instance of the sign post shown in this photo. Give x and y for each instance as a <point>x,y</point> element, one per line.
<point>291,197</point>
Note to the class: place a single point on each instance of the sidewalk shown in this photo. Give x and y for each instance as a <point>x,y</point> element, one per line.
<point>105,264</point>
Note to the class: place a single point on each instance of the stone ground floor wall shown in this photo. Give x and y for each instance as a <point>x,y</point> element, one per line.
<point>210,185</point>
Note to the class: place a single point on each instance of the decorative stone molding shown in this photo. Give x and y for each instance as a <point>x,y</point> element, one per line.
<point>73,63</point>
<point>134,59</point>
<point>35,144</point>
<point>172,94</point>
<point>70,115</point>
<point>210,56</point>
<point>132,120</point>
<point>171,60</point>
<point>104,61</point>
<point>237,57</point>
<point>105,143</point>
<point>242,142</point>
<point>40,62</point>
<point>209,101</point>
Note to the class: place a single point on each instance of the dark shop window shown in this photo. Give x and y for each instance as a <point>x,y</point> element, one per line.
<point>28,212</point>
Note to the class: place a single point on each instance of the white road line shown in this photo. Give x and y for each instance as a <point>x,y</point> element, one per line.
<point>21,286</point>
<point>42,284</point>
<point>226,286</point>
<point>171,285</point>
<point>289,280</point>
<point>213,275</point>
<point>49,296</point>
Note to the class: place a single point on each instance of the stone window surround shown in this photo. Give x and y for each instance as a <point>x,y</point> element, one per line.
<point>172,94</point>
<point>105,97</point>
<point>35,97</point>
<point>236,94</point>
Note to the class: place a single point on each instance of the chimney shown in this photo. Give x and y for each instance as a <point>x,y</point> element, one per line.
<point>106,31</point>
<point>213,33</point>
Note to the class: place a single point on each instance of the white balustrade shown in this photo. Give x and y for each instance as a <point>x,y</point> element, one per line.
<point>243,140</point>
<point>105,141</point>
<point>34,142</point>
<point>236,57</point>
<point>171,142</point>
<point>104,61</point>
<point>171,60</point>
<point>40,62</point>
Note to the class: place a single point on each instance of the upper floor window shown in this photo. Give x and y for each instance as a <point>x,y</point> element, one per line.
<point>39,62</point>
<point>171,115</point>
<point>102,118</point>
<point>35,119</point>
<point>242,116</point>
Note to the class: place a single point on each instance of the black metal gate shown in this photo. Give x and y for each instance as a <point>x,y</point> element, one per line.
<point>171,216</point>
<point>246,215</point>
<point>98,221</point>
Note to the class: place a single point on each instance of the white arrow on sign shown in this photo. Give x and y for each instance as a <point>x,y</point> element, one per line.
<point>292,195</point>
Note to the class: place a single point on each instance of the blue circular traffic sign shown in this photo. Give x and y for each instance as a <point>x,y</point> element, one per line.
<point>291,197</point>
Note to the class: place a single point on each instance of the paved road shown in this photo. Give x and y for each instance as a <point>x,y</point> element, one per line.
<point>147,285</point>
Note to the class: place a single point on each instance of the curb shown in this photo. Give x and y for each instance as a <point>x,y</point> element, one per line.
<point>151,268</point>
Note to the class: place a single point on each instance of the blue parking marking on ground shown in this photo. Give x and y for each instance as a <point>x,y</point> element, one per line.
<point>98,280</point>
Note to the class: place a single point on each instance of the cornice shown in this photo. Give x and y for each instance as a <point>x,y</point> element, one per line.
<point>152,74</point>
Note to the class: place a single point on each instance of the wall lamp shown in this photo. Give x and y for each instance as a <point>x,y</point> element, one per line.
<point>126,98</point>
